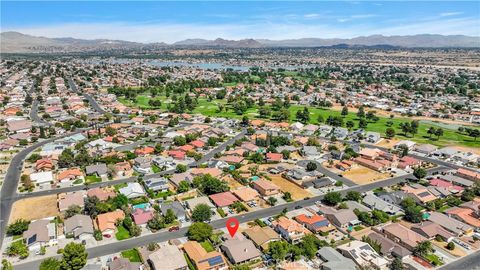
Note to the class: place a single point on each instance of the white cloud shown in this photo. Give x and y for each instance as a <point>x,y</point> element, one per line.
<point>448,14</point>
<point>157,32</point>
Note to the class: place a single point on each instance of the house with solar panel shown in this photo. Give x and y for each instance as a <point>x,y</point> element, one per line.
<point>204,260</point>
<point>40,233</point>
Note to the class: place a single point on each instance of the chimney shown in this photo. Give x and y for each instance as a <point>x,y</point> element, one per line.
<point>245,250</point>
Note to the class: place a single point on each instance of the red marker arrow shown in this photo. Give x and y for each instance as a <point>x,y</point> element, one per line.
<point>232,226</point>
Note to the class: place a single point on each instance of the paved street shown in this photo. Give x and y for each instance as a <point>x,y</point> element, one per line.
<point>90,99</point>
<point>470,262</point>
<point>165,235</point>
<point>327,172</point>
<point>12,177</point>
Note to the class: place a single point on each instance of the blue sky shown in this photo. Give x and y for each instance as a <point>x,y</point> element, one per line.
<point>173,21</point>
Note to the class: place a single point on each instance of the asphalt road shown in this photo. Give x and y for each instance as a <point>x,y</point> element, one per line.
<point>470,262</point>
<point>162,236</point>
<point>327,172</point>
<point>220,148</point>
<point>12,177</point>
<point>90,99</point>
<point>34,115</point>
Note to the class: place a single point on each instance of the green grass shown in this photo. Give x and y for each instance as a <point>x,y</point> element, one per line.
<point>156,169</point>
<point>122,233</point>
<point>358,228</point>
<point>221,212</point>
<point>119,186</point>
<point>78,181</point>
<point>433,259</point>
<point>189,262</point>
<point>210,108</point>
<point>443,208</point>
<point>92,179</point>
<point>132,255</point>
<point>207,246</point>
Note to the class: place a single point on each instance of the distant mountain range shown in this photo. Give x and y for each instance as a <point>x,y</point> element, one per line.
<point>14,42</point>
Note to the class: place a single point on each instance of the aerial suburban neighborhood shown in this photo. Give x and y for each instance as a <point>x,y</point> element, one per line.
<point>132,158</point>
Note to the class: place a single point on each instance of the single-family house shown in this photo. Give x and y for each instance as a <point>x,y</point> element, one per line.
<point>246,194</point>
<point>168,257</point>
<point>290,229</point>
<point>240,250</point>
<point>132,190</point>
<point>203,260</point>
<point>65,200</point>
<point>71,174</point>
<point>177,209</point>
<point>363,255</point>
<point>430,230</point>
<point>102,194</point>
<point>79,226</point>
<point>99,169</point>
<point>223,199</point>
<point>450,224</point>
<point>333,260</point>
<point>41,177</point>
<point>40,233</point>
<point>106,222</point>
<point>262,236</point>
<point>406,237</point>
<point>142,216</point>
<point>142,165</point>
<point>315,223</point>
<point>265,187</point>
<point>157,184</point>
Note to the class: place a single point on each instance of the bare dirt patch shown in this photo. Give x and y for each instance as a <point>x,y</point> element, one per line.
<point>297,192</point>
<point>457,252</point>
<point>387,143</point>
<point>467,149</point>
<point>232,183</point>
<point>363,175</point>
<point>35,208</point>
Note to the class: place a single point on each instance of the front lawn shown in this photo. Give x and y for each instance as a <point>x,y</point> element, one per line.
<point>122,233</point>
<point>132,255</point>
<point>433,259</point>
<point>119,186</point>
<point>92,179</point>
<point>358,228</point>
<point>156,169</point>
<point>77,181</point>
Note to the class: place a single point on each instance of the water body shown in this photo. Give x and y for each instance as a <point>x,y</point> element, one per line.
<point>159,63</point>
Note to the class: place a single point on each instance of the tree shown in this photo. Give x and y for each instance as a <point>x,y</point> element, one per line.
<point>179,140</point>
<point>209,185</point>
<point>361,112</point>
<point>353,196</point>
<point>181,168</point>
<point>18,248</point>
<point>287,196</point>
<point>50,264</point>
<point>439,133</point>
<point>423,248</point>
<point>272,201</point>
<point>396,264</point>
<point>344,111</point>
<point>156,223</point>
<point>311,166</point>
<point>170,216</point>
<point>310,245</point>
<point>183,186</point>
<point>413,214</point>
<point>18,227</point>
<point>285,154</point>
<point>72,211</point>
<point>419,173</point>
<point>450,246</point>
<point>199,231</point>
<point>201,213</point>
<point>390,133</point>
<point>349,124</point>
<point>373,243</point>
<point>278,250</point>
<point>431,131</point>
<point>74,257</point>
<point>6,265</point>
<point>332,198</point>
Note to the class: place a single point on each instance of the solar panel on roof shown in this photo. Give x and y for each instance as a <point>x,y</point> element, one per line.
<point>32,239</point>
<point>423,194</point>
<point>215,260</point>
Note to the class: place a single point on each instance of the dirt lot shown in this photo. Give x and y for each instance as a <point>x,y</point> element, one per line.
<point>35,208</point>
<point>297,192</point>
<point>232,183</point>
<point>363,175</point>
<point>457,252</point>
<point>387,143</point>
<point>468,149</point>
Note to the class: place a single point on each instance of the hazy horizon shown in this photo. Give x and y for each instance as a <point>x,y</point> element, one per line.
<point>169,22</point>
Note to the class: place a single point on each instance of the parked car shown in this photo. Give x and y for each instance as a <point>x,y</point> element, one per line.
<point>173,229</point>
